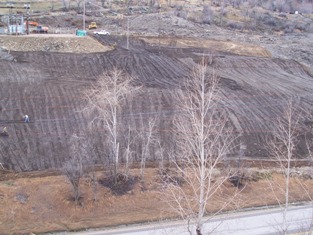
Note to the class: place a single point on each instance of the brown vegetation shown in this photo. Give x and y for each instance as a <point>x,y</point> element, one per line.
<point>43,204</point>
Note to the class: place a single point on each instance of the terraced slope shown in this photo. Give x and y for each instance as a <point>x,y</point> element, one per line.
<point>49,88</point>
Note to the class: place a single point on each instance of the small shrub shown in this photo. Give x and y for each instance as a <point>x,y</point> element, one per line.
<point>289,28</point>
<point>123,185</point>
<point>183,14</point>
<point>302,27</point>
<point>269,21</point>
<point>207,15</point>
<point>76,23</point>
<point>234,25</point>
<point>283,15</point>
<point>223,12</point>
<point>268,5</point>
<point>216,3</point>
<point>310,28</point>
<point>238,180</point>
<point>169,177</point>
<point>307,174</point>
<point>262,175</point>
<point>180,12</point>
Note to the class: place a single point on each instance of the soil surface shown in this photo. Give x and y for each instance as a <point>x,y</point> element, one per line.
<point>296,45</point>
<point>52,43</point>
<point>49,87</point>
<point>45,77</point>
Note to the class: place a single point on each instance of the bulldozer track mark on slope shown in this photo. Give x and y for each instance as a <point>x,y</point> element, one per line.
<point>50,86</point>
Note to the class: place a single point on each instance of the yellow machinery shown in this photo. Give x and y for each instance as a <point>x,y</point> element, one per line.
<point>93,25</point>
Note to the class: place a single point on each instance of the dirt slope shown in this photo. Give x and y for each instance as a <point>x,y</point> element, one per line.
<point>49,88</point>
<point>222,46</point>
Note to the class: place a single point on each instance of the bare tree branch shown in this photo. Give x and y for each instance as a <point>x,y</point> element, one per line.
<point>283,147</point>
<point>78,162</point>
<point>204,137</point>
<point>104,108</point>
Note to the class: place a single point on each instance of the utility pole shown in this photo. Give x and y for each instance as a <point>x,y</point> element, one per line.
<point>27,23</point>
<point>84,16</point>
<point>127,36</point>
<point>10,5</point>
<point>127,32</point>
<point>27,7</point>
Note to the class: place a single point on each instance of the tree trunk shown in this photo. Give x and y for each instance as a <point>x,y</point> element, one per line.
<point>198,230</point>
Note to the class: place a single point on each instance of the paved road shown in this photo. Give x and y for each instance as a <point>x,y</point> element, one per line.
<point>258,222</point>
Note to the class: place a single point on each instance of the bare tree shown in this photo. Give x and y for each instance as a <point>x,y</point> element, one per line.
<point>79,5</point>
<point>104,107</point>
<point>129,139</point>
<point>283,147</point>
<point>160,155</point>
<point>77,164</point>
<point>236,3</point>
<point>102,3</point>
<point>207,15</point>
<point>204,137</point>
<point>66,4</point>
<point>146,139</point>
<point>52,5</point>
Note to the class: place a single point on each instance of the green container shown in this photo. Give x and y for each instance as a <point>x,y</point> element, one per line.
<point>81,33</point>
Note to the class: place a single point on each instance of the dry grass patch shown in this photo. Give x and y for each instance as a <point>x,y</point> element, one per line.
<point>44,204</point>
<point>223,46</point>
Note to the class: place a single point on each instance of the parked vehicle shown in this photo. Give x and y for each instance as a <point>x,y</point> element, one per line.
<point>41,29</point>
<point>101,32</point>
<point>93,25</point>
<point>31,23</point>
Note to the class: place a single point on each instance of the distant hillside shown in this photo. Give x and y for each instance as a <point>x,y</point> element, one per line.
<point>285,16</point>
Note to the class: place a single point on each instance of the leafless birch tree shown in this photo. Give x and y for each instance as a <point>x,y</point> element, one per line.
<point>146,136</point>
<point>129,139</point>
<point>66,4</point>
<point>105,100</point>
<point>282,146</point>
<point>204,137</point>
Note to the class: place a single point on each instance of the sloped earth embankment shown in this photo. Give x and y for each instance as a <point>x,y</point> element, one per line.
<point>49,88</point>
<point>52,43</point>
